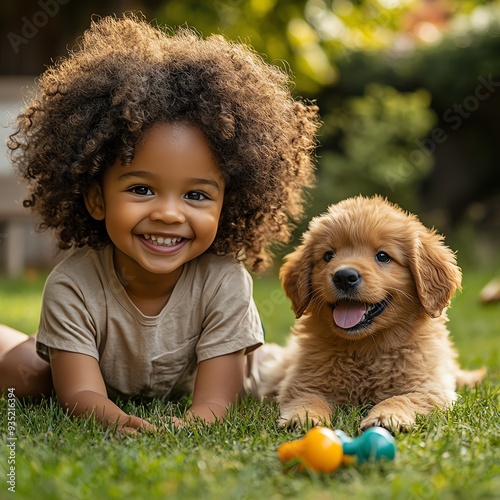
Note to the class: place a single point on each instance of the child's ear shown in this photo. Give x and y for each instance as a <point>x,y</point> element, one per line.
<point>94,202</point>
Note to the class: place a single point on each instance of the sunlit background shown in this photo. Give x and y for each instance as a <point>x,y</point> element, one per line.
<point>409,93</point>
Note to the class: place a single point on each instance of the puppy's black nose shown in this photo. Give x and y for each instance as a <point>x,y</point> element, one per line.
<point>346,279</point>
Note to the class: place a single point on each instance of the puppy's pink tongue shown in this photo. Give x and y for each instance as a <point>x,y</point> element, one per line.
<point>348,314</point>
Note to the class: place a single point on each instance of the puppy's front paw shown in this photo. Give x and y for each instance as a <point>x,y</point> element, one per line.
<point>392,419</point>
<point>297,422</point>
<point>302,418</point>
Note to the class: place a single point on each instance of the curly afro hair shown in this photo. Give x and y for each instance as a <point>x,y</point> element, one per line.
<point>94,106</point>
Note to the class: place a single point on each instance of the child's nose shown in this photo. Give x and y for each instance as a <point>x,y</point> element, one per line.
<point>168,210</point>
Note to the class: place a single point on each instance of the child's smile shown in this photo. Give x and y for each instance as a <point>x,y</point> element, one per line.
<point>164,244</point>
<point>163,209</point>
<point>160,241</point>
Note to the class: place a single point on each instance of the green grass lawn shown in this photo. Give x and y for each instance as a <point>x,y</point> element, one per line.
<point>450,454</point>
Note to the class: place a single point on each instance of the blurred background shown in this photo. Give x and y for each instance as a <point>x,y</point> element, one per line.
<point>409,93</point>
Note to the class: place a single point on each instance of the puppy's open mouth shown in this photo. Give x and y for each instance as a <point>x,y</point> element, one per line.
<point>352,315</point>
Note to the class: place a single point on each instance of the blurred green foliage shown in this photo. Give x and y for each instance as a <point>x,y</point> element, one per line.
<point>385,74</point>
<point>314,37</point>
<point>276,29</point>
<point>376,135</point>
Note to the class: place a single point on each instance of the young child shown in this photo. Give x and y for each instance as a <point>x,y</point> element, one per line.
<point>166,162</point>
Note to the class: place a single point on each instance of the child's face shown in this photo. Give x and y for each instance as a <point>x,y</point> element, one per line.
<point>163,209</point>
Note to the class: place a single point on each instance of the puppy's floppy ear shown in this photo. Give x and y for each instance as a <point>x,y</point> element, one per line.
<point>295,275</point>
<point>434,268</point>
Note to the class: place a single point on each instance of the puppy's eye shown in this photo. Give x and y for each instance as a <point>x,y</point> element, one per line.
<point>328,256</point>
<point>383,257</point>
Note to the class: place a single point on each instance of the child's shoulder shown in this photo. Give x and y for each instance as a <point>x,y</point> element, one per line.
<point>214,268</point>
<point>74,258</point>
<point>218,263</point>
<point>82,264</point>
<point>215,279</point>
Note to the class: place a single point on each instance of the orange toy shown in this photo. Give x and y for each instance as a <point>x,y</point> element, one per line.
<point>320,450</point>
<point>323,450</point>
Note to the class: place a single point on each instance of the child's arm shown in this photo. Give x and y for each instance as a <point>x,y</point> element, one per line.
<point>80,388</point>
<point>219,381</point>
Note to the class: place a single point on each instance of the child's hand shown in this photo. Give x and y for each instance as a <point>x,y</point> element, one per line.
<point>133,425</point>
<point>175,422</point>
<point>178,423</point>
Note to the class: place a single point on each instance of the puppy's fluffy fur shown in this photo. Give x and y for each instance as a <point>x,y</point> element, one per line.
<point>369,286</point>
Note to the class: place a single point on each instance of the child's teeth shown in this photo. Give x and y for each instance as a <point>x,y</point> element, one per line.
<point>160,240</point>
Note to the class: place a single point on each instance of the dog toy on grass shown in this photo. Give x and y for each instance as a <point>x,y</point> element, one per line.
<point>374,444</point>
<point>324,450</point>
<point>319,450</point>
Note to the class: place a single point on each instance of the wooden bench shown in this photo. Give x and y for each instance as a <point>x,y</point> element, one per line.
<point>20,245</point>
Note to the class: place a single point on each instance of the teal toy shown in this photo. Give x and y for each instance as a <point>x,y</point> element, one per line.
<point>375,443</point>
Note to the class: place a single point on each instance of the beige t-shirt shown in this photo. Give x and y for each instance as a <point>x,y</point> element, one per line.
<point>210,313</point>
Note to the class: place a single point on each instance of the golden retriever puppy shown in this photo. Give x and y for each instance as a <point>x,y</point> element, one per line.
<point>369,286</point>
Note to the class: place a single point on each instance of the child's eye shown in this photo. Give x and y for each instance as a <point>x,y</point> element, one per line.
<point>141,190</point>
<point>196,195</point>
